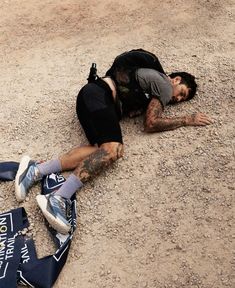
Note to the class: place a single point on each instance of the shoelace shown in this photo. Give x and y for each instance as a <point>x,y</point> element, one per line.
<point>31,172</point>
<point>68,209</point>
<point>30,176</point>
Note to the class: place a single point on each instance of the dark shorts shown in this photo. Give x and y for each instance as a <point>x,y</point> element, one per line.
<point>97,114</point>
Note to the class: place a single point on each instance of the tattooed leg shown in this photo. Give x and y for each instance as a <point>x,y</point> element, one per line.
<point>96,162</point>
<point>71,159</point>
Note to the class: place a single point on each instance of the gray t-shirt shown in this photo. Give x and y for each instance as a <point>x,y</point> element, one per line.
<point>155,84</point>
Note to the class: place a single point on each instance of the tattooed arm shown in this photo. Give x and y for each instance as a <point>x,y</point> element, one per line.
<point>96,162</point>
<point>155,122</point>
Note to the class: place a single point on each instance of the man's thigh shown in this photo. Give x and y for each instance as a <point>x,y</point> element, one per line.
<point>97,115</point>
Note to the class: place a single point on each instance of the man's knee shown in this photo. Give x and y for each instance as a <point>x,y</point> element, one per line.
<point>114,150</point>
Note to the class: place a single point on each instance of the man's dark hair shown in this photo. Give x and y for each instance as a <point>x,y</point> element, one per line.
<point>188,80</point>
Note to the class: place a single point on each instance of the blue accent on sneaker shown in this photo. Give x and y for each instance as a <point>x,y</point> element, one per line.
<point>57,211</point>
<point>59,207</point>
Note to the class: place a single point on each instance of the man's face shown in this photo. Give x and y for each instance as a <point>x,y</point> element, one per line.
<point>180,91</point>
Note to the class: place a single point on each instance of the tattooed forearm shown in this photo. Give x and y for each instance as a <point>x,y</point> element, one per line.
<point>164,124</point>
<point>97,162</point>
<point>154,122</point>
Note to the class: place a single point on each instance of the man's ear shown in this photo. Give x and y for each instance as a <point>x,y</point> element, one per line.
<point>177,80</point>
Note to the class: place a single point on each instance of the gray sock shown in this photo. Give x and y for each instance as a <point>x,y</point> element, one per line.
<point>70,186</point>
<point>48,167</point>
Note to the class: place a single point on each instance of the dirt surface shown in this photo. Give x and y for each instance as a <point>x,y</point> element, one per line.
<point>163,215</point>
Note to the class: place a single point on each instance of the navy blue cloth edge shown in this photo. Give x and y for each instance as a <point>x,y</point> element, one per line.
<point>52,263</point>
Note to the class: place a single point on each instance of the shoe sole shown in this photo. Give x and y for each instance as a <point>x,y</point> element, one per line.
<point>22,167</point>
<point>56,223</point>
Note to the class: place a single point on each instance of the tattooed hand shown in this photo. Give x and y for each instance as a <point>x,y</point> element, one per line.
<point>198,119</point>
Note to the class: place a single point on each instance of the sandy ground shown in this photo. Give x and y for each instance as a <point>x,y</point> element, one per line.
<point>163,215</point>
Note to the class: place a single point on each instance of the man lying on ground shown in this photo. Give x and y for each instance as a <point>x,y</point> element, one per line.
<point>100,105</point>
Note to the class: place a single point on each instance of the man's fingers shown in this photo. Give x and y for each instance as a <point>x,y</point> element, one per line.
<point>205,122</point>
<point>203,119</point>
